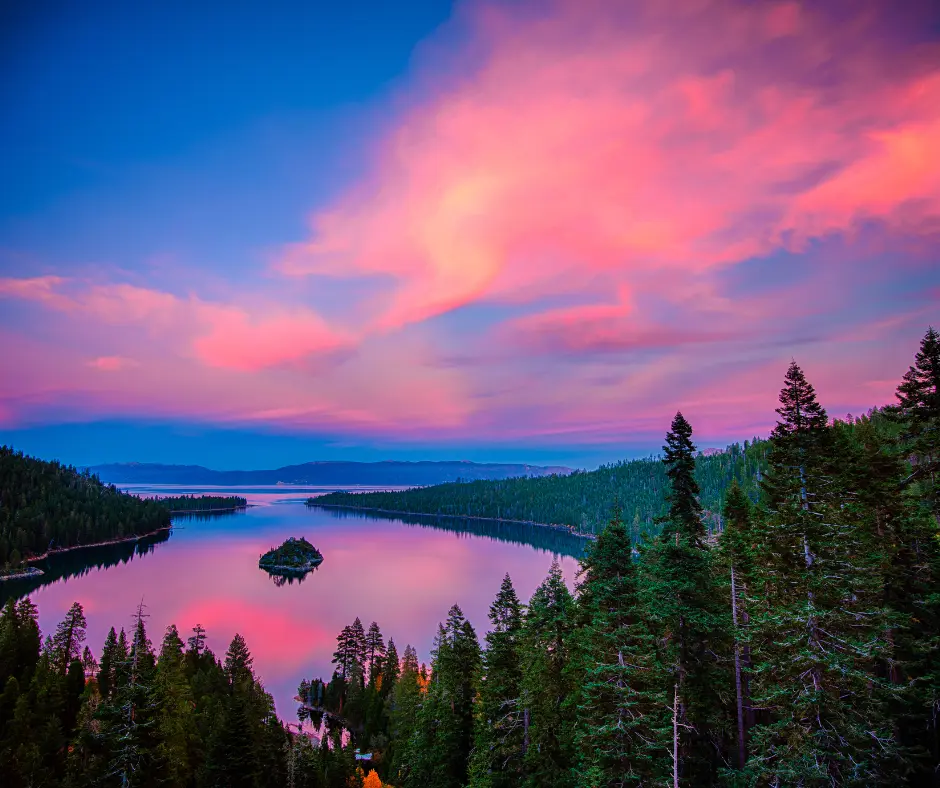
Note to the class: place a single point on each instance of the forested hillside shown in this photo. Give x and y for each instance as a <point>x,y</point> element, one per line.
<point>581,500</point>
<point>801,647</point>
<point>47,505</point>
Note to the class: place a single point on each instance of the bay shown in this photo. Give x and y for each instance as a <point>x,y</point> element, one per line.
<point>403,572</point>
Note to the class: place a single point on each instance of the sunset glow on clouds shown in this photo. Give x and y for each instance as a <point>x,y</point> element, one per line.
<point>584,216</point>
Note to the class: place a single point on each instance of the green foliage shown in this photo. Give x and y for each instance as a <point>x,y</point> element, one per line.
<point>499,737</point>
<point>619,709</point>
<point>202,503</point>
<point>581,500</point>
<point>918,412</point>
<point>49,506</point>
<point>547,683</point>
<point>292,554</point>
<point>177,718</point>
<point>687,616</point>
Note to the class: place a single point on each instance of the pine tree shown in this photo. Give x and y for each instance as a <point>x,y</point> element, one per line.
<point>681,595</point>
<point>497,756</point>
<point>391,669</point>
<point>358,643</point>
<point>127,718</point>
<point>238,663</point>
<point>404,703</point>
<point>440,747</point>
<point>547,683</point>
<point>345,652</point>
<point>818,625</point>
<point>685,512</point>
<point>174,702</point>
<point>918,409</point>
<point>69,636</point>
<point>233,757</point>
<point>619,712</point>
<point>107,666</point>
<point>375,652</point>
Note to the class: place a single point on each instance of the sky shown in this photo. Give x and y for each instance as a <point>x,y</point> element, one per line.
<point>496,231</point>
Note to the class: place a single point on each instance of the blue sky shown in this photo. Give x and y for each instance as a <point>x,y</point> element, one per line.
<point>249,236</point>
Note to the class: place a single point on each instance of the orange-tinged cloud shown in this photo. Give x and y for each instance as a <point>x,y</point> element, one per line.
<point>593,140</point>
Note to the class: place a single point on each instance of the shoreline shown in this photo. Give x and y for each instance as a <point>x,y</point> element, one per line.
<point>135,538</point>
<point>32,571</point>
<point>281,568</point>
<point>563,528</point>
<point>208,511</point>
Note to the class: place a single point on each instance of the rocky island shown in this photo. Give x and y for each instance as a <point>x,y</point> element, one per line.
<point>293,556</point>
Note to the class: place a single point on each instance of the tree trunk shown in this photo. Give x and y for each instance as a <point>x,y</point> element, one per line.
<point>525,731</point>
<point>675,737</point>
<point>742,750</point>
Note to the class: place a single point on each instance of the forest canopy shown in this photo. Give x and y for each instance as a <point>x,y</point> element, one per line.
<point>50,506</point>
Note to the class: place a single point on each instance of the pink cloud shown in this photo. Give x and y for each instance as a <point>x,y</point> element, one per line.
<point>592,140</point>
<point>112,363</point>
<point>236,341</point>
<point>220,335</point>
<point>602,187</point>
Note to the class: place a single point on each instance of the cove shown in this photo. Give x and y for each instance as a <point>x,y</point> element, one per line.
<point>403,572</point>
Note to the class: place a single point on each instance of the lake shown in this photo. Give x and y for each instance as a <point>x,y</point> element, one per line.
<point>404,575</point>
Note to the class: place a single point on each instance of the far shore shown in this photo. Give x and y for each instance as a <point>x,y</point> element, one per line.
<point>208,511</point>
<point>554,527</point>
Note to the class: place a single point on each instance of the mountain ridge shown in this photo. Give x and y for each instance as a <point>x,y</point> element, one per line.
<point>393,472</point>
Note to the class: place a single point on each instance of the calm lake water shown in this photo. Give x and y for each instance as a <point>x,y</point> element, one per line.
<point>404,575</point>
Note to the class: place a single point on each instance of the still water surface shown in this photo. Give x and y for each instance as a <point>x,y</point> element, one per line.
<point>404,575</point>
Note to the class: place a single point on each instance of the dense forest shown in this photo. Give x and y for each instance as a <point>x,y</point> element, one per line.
<point>190,504</point>
<point>140,715</point>
<point>581,500</point>
<point>49,506</point>
<point>797,646</point>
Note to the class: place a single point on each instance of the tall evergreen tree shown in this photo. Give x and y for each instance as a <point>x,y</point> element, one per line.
<point>918,409</point>
<point>174,702</point>
<point>404,704</point>
<point>391,669</point>
<point>547,683</point>
<point>69,636</point>
<point>497,757</point>
<point>345,653</point>
<point>374,651</point>
<point>127,719</point>
<point>107,667</point>
<point>682,599</point>
<point>818,624</point>
<point>440,747</point>
<point>358,643</point>
<point>620,715</point>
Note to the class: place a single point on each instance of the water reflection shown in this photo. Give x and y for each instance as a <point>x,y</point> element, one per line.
<point>287,576</point>
<point>76,563</point>
<point>404,575</point>
<point>554,540</point>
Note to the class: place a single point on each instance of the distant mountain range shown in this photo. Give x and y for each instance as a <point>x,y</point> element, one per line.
<point>321,473</point>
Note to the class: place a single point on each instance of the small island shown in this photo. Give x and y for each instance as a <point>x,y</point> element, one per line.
<point>293,556</point>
